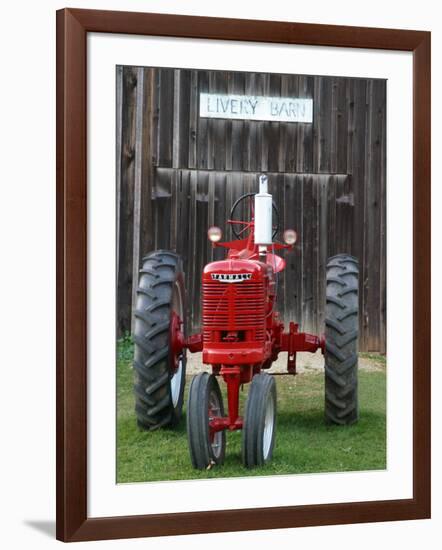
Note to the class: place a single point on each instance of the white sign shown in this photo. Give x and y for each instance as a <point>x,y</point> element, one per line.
<point>283,109</point>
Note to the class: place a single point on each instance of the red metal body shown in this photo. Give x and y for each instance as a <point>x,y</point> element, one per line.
<point>241,329</point>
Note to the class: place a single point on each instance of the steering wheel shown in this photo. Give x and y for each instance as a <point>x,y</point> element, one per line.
<point>234,222</point>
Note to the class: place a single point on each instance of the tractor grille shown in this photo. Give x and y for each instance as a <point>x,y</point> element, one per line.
<point>234,307</point>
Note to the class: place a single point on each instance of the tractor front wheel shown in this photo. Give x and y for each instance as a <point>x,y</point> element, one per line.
<point>207,448</point>
<point>258,433</point>
<point>341,340</point>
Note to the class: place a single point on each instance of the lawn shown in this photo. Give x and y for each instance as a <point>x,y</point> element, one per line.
<point>304,443</point>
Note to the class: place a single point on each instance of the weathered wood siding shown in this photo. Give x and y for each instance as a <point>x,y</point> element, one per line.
<point>177,174</point>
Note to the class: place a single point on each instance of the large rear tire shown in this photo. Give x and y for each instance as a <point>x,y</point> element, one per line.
<point>341,340</point>
<point>258,433</point>
<point>159,375</point>
<point>205,400</point>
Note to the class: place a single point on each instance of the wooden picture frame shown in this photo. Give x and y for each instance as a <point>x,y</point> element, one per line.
<point>73,523</point>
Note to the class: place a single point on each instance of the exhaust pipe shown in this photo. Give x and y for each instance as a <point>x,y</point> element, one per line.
<point>263,213</point>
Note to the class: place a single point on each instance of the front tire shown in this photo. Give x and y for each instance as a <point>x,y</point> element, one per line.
<point>341,340</point>
<point>159,376</point>
<point>258,433</point>
<point>205,400</point>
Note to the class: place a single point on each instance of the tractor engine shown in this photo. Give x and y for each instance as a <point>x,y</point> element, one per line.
<point>237,301</point>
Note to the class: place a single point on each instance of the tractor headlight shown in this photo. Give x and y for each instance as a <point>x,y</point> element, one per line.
<point>214,233</point>
<point>290,236</point>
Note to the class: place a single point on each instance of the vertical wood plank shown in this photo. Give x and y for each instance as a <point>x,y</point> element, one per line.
<point>333,167</point>
<point>154,133</point>
<point>138,174</point>
<point>211,125</point>
<point>218,84</point>
<point>202,244</point>
<point>251,141</point>
<point>340,124</point>
<point>203,123</point>
<point>163,208</point>
<point>316,298</point>
<point>183,248</point>
<point>374,162</point>
<point>322,237</point>
<point>308,273</point>
<point>174,209</point>
<point>298,259</point>
<point>282,138</point>
<point>293,153</point>
<point>118,153</point>
<point>193,279</point>
<point>324,125</point>
<point>220,210</point>
<point>287,292</point>
<point>383,228</point>
<point>149,133</point>
<point>184,117</point>
<point>193,119</point>
<point>331,218</point>
<point>211,205</point>
<point>176,137</point>
<point>304,131</point>
<point>344,214</point>
<point>273,128</point>
<point>259,164</point>
<point>166,117</point>
<point>356,168</point>
<point>238,141</point>
<point>124,284</point>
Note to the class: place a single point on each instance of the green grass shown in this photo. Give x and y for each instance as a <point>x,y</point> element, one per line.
<point>376,357</point>
<point>304,443</point>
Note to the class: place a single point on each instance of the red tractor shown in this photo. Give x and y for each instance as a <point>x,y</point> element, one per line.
<point>242,335</point>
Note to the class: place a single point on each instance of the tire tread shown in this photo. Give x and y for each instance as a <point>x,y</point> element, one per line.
<point>201,453</point>
<point>261,387</point>
<point>153,402</point>
<point>341,336</point>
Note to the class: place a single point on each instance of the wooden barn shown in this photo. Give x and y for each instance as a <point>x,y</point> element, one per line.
<point>179,172</point>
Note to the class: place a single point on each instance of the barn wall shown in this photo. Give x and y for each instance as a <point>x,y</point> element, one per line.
<point>177,174</point>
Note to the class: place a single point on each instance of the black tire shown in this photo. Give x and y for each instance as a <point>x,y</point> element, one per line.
<point>341,340</point>
<point>205,451</point>
<point>260,414</point>
<point>158,394</point>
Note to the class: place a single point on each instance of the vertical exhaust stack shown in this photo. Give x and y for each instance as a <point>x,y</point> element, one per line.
<point>263,214</point>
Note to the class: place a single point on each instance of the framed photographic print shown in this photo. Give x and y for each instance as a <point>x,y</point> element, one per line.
<point>243,274</point>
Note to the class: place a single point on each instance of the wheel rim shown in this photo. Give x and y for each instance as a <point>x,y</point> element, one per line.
<point>177,376</point>
<point>216,438</point>
<point>269,420</point>
<point>175,383</point>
